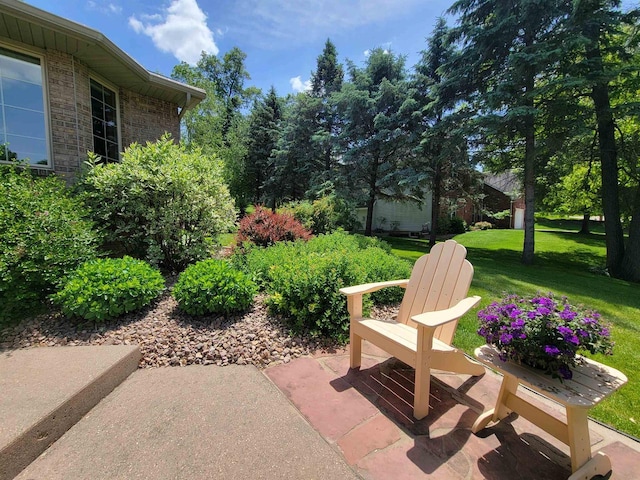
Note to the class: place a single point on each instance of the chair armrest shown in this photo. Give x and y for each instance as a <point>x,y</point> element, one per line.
<point>440,317</point>
<point>373,287</point>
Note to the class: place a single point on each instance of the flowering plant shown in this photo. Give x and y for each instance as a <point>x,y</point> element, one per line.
<point>543,332</point>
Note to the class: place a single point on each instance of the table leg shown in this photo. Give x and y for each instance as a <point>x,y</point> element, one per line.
<point>599,464</point>
<point>579,441</point>
<point>508,387</point>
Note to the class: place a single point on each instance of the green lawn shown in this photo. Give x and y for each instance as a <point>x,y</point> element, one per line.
<point>565,264</point>
<point>226,239</point>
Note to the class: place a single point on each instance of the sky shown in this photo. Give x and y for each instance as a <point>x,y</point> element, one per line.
<point>282,38</point>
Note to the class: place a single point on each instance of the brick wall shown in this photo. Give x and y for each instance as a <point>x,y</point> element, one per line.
<point>141,118</point>
<point>69,112</point>
<point>145,119</point>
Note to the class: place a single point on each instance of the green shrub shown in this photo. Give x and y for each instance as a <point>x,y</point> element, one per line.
<point>257,262</point>
<point>213,286</point>
<point>305,291</point>
<point>264,228</point>
<point>482,226</point>
<point>106,288</point>
<point>303,278</point>
<point>162,203</point>
<point>380,267</point>
<point>324,215</point>
<point>451,226</point>
<point>44,235</point>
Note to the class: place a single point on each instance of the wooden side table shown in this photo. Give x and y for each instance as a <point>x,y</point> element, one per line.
<point>591,383</point>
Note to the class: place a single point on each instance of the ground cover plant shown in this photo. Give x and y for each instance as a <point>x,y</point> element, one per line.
<point>213,286</point>
<point>106,288</point>
<point>567,263</point>
<point>44,235</point>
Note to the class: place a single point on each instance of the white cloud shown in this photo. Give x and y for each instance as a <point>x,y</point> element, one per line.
<point>181,29</point>
<point>385,51</point>
<point>105,7</point>
<point>297,85</point>
<point>284,21</point>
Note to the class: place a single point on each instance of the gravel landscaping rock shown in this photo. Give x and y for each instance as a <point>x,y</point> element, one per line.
<point>169,337</point>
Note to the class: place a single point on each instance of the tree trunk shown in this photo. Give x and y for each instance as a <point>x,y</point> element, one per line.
<point>370,203</point>
<point>584,229</point>
<point>610,193</point>
<point>528,248</point>
<point>373,180</point>
<point>608,154</point>
<point>631,261</point>
<point>435,205</point>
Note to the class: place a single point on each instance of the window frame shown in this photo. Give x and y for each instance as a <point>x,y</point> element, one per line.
<point>40,55</point>
<point>116,91</point>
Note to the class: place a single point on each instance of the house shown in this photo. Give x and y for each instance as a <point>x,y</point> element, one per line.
<point>503,192</point>
<point>397,216</point>
<point>65,89</point>
<point>500,193</point>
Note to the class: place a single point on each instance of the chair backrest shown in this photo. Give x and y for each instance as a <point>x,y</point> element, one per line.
<point>439,280</point>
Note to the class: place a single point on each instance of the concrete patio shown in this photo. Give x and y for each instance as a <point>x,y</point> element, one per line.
<point>310,418</point>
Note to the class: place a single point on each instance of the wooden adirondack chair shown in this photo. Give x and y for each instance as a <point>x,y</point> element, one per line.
<point>421,336</point>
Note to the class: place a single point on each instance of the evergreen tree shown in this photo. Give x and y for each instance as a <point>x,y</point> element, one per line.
<point>508,47</point>
<point>441,146</point>
<point>374,108</point>
<point>297,158</point>
<point>329,74</point>
<point>325,82</point>
<point>264,130</point>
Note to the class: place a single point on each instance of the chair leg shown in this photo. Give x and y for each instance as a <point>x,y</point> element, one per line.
<point>355,348</point>
<point>423,373</point>
<point>421,394</point>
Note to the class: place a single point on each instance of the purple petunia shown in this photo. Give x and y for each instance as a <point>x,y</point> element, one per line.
<point>567,313</point>
<point>517,324</point>
<point>506,338</point>
<point>551,350</point>
<point>543,311</point>
<point>565,331</point>
<point>542,331</point>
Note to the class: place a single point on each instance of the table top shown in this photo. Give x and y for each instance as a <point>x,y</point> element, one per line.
<point>591,382</point>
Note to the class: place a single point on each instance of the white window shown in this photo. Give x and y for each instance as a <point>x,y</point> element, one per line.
<point>23,126</point>
<point>104,114</point>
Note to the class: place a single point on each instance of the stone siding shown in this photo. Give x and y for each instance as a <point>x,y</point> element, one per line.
<point>141,118</point>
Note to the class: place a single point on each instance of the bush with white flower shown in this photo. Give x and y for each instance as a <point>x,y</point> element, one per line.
<point>543,332</point>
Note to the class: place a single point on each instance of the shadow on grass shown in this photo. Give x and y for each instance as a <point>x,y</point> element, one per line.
<point>543,223</point>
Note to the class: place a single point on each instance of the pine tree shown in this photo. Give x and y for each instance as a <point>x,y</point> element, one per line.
<point>264,130</point>
<point>441,146</point>
<point>374,110</point>
<point>507,49</point>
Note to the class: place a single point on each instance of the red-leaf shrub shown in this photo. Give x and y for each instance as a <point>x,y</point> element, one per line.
<point>264,228</point>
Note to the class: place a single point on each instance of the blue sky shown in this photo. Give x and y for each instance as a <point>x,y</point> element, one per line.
<point>282,38</point>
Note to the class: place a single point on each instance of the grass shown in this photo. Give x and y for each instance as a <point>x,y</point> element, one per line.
<point>226,239</point>
<point>566,263</point>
